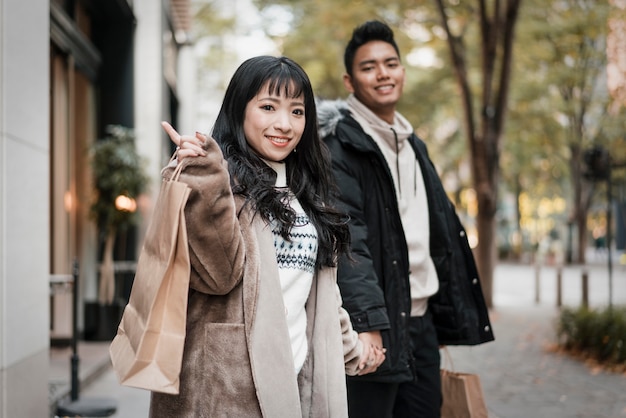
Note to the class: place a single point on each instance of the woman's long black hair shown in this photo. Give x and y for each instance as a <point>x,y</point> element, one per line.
<point>308,169</point>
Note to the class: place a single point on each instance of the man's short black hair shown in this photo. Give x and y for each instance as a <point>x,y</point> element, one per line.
<point>372,30</point>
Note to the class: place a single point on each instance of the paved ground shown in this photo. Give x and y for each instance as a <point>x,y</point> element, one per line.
<point>520,375</point>
<point>521,378</point>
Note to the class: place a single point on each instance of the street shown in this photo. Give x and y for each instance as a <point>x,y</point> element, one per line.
<point>520,373</point>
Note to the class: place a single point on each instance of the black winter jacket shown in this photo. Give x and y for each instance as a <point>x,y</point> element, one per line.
<point>375,284</point>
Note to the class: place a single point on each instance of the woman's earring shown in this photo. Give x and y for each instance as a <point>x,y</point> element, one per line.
<point>295,150</point>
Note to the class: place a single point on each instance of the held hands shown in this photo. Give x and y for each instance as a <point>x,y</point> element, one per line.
<point>188,146</point>
<point>373,352</point>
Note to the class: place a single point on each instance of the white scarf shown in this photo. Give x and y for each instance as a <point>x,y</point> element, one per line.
<point>394,136</point>
<point>369,120</point>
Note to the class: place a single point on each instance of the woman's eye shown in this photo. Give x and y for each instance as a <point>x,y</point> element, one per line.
<point>299,112</point>
<point>267,107</point>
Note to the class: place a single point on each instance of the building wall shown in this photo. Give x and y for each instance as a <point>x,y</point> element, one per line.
<point>162,93</point>
<point>26,175</point>
<point>24,216</point>
<point>150,103</point>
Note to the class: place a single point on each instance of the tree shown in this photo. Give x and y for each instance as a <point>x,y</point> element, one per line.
<point>616,52</point>
<point>534,157</point>
<point>119,178</point>
<point>572,64</point>
<point>484,115</point>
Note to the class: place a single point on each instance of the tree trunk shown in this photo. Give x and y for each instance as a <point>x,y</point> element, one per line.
<point>486,173</point>
<point>581,223</point>
<point>580,210</point>
<point>497,33</point>
<point>486,253</point>
<point>518,221</point>
<point>106,291</point>
<point>582,200</point>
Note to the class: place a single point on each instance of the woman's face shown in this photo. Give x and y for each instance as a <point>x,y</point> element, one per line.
<point>273,124</point>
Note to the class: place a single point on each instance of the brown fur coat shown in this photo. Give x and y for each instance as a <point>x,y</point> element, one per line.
<point>237,360</point>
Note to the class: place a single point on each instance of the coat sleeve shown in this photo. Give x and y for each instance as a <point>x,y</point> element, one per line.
<point>352,347</point>
<point>216,249</point>
<point>362,296</point>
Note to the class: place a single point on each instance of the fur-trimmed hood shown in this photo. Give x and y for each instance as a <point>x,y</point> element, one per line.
<point>329,113</point>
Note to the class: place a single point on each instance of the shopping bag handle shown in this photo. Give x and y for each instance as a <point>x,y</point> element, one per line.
<point>177,170</point>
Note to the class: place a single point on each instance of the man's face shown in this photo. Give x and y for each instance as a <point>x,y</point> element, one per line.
<point>377,78</point>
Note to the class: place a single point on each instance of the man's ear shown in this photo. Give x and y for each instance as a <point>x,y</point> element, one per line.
<point>347,83</point>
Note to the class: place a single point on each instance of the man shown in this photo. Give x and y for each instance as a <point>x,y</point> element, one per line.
<point>412,284</point>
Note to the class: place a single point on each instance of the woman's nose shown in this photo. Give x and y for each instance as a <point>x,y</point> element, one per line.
<point>282,121</point>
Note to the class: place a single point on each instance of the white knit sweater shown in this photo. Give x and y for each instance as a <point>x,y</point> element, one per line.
<point>296,265</point>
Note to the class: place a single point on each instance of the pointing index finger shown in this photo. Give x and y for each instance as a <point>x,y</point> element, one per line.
<point>171,132</point>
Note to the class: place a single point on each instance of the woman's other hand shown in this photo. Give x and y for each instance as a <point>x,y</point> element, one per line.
<point>373,352</point>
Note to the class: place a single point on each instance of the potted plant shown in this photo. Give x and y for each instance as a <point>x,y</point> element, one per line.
<point>119,178</point>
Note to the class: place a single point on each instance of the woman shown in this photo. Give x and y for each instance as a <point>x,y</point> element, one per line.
<point>266,333</point>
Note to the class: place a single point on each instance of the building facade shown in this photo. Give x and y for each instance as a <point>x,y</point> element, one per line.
<point>68,69</point>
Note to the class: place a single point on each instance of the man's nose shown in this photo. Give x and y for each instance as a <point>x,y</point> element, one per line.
<point>382,72</point>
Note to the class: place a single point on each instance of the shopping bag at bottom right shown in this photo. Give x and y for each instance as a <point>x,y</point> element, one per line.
<point>462,395</point>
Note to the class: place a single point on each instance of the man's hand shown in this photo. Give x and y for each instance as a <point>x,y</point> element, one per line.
<point>187,146</point>
<point>373,351</point>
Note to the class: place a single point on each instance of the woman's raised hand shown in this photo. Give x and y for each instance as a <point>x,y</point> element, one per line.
<point>187,145</point>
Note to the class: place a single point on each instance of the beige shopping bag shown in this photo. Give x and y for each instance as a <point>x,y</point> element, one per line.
<point>147,351</point>
<point>462,395</point>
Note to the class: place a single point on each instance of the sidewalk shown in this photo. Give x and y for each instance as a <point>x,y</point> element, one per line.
<point>97,380</point>
<point>520,377</point>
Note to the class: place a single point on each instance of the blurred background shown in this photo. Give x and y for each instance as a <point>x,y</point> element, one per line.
<point>522,104</point>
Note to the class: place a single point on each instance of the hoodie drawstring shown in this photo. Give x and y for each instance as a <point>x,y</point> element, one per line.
<point>395,136</point>
<point>415,177</point>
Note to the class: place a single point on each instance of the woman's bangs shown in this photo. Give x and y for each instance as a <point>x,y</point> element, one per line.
<point>285,83</point>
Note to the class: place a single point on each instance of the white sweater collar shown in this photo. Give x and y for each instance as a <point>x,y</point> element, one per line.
<point>281,172</point>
